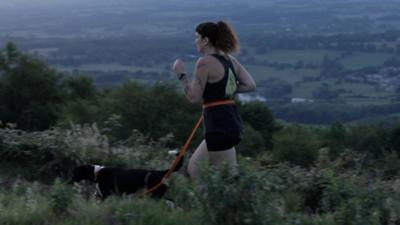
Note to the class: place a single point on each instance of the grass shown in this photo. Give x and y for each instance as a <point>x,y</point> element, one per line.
<point>31,203</point>
<point>342,190</point>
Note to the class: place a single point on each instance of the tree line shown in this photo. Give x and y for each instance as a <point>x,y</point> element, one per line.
<point>36,97</point>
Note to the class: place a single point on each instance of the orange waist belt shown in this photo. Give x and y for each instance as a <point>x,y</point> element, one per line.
<point>216,103</point>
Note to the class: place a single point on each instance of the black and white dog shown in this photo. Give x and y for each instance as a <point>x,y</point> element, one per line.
<point>113,180</point>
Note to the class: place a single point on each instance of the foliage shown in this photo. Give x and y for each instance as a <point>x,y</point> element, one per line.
<point>23,206</point>
<point>296,145</point>
<point>236,199</point>
<point>280,194</point>
<point>56,152</point>
<point>252,143</point>
<point>60,197</point>
<point>337,139</point>
<point>261,119</point>
<point>78,87</point>
<point>29,95</point>
<point>341,174</point>
<point>371,139</point>
<point>154,111</point>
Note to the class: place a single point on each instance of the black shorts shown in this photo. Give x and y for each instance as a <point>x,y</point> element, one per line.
<point>217,141</point>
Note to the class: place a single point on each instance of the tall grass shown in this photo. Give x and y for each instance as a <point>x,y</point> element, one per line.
<point>344,190</point>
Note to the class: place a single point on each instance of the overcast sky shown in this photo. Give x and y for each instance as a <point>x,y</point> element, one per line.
<point>49,3</point>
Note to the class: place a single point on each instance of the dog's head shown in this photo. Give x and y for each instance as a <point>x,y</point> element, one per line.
<point>83,173</point>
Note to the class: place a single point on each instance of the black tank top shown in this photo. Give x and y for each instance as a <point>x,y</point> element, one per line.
<point>222,118</point>
<point>226,87</point>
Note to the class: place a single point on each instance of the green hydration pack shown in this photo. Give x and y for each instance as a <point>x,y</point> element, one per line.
<point>232,84</point>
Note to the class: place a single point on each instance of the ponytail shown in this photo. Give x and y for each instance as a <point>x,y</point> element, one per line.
<point>220,35</point>
<point>227,40</point>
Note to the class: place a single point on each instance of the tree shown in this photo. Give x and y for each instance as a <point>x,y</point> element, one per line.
<point>260,118</point>
<point>336,139</point>
<point>252,142</point>
<point>29,94</point>
<point>155,110</point>
<point>297,145</point>
<point>370,139</point>
<point>8,57</point>
<point>78,87</point>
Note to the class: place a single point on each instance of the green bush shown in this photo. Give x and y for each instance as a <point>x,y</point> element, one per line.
<point>370,139</point>
<point>33,206</point>
<point>51,153</point>
<point>60,197</point>
<point>261,119</point>
<point>25,204</point>
<point>281,194</point>
<point>252,143</point>
<point>29,93</point>
<point>355,200</point>
<point>296,145</point>
<point>297,183</point>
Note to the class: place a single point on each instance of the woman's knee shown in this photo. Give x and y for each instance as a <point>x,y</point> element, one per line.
<point>192,171</point>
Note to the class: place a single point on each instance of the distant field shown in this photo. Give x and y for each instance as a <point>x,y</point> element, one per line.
<point>365,89</point>
<point>356,94</point>
<point>110,67</point>
<point>360,60</point>
<point>45,52</point>
<point>367,101</point>
<point>293,56</point>
<point>290,75</point>
<point>353,93</point>
<point>304,90</point>
<point>357,60</point>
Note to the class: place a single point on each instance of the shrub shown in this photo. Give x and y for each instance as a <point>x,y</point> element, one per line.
<point>252,143</point>
<point>60,197</point>
<point>56,152</point>
<point>231,199</point>
<point>296,145</point>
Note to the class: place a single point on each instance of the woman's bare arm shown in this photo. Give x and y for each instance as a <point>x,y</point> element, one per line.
<point>246,81</point>
<point>194,87</point>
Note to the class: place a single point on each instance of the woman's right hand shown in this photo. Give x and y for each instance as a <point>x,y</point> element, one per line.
<point>178,67</point>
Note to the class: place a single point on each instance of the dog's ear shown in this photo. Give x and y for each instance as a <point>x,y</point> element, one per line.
<point>83,173</point>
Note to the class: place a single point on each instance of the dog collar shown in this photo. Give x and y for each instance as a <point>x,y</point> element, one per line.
<point>96,171</point>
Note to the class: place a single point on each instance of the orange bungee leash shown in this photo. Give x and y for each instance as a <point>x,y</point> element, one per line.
<point>183,150</point>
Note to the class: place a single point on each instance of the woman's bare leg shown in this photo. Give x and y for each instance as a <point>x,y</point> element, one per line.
<point>199,155</point>
<point>226,157</point>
